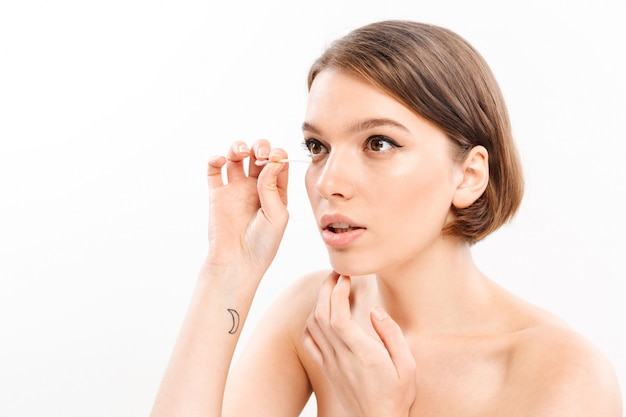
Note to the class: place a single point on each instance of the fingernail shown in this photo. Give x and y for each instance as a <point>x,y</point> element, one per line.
<point>343,278</point>
<point>243,148</point>
<point>275,156</point>
<point>263,152</point>
<point>379,313</point>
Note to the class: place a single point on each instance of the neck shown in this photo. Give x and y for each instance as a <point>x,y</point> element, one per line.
<point>441,292</point>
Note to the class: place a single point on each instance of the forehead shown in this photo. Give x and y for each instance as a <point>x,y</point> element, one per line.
<point>335,94</point>
<point>339,102</point>
<point>336,85</point>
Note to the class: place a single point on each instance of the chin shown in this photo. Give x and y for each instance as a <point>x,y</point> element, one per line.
<point>343,265</point>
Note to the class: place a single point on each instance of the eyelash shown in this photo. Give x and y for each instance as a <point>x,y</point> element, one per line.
<point>308,143</point>
<point>384,139</point>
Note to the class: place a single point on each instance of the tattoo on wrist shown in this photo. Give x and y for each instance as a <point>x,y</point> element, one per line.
<point>235,317</point>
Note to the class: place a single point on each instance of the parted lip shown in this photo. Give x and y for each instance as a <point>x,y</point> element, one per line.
<point>338,220</point>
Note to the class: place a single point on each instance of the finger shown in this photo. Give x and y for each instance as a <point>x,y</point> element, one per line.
<point>261,152</point>
<point>272,187</point>
<point>214,171</point>
<point>282,179</point>
<point>317,323</point>
<point>340,314</point>
<point>322,306</point>
<point>311,347</point>
<point>237,152</point>
<point>321,347</point>
<point>395,343</point>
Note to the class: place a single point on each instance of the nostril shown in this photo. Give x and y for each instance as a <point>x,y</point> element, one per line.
<point>334,181</point>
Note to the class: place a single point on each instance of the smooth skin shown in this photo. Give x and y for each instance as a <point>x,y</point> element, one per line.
<point>406,324</point>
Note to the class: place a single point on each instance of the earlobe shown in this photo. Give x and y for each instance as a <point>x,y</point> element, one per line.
<point>475,170</point>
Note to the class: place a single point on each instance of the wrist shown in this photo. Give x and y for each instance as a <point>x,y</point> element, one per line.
<point>237,276</point>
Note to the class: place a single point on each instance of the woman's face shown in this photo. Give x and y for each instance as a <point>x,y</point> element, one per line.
<point>382,179</point>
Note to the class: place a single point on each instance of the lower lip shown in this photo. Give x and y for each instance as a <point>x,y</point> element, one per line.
<point>341,239</point>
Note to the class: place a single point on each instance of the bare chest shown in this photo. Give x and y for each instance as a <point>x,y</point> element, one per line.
<point>466,378</point>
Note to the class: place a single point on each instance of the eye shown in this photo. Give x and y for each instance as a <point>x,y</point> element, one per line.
<point>380,144</point>
<point>315,147</point>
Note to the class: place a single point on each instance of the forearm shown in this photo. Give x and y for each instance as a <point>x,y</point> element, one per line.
<point>247,218</point>
<point>194,381</point>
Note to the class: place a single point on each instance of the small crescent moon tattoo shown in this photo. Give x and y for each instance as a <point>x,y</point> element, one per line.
<point>235,317</point>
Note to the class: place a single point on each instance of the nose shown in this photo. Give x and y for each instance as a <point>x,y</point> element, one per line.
<point>335,177</point>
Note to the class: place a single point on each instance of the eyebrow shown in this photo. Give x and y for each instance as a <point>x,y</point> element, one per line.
<point>360,125</point>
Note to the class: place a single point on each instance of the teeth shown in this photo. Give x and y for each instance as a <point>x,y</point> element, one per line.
<point>339,226</point>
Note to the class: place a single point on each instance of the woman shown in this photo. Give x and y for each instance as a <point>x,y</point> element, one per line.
<point>412,162</point>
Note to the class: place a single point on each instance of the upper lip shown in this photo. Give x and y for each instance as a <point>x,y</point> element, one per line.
<point>339,220</point>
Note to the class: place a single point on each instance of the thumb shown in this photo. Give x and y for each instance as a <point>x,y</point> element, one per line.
<point>393,339</point>
<point>272,189</point>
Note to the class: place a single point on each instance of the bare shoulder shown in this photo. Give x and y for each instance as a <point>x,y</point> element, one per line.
<point>294,304</point>
<point>304,290</point>
<point>556,371</point>
<point>269,372</point>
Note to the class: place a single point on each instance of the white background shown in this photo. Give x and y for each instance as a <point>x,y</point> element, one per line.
<point>110,109</point>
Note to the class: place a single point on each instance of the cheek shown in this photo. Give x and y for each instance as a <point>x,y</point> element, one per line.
<point>310,180</point>
<point>422,197</point>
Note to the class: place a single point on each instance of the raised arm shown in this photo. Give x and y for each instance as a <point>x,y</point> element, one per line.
<point>247,219</point>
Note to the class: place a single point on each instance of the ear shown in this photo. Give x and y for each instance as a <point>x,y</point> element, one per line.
<point>475,176</point>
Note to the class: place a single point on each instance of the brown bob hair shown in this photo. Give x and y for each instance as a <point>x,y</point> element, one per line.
<point>440,76</point>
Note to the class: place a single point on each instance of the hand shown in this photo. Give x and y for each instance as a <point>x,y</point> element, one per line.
<point>370,376</point>
<point>247,214</point>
